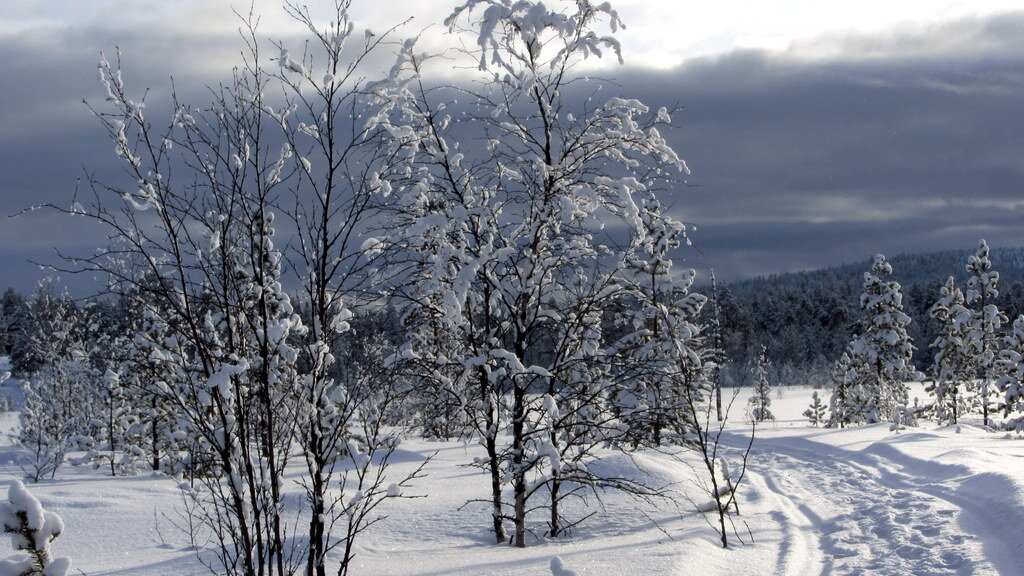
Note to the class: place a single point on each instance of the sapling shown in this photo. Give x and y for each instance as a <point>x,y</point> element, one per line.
<point>816,412</point>
<point>32,529</point>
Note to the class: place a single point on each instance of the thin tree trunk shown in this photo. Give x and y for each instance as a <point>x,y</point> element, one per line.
<point>519,473</point>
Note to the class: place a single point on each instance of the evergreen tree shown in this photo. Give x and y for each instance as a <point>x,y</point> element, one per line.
<point>761,401</point>
<point>664,345</point>
<point>714,352</point>
<point>882,354</point>
<point>112,437</point>
<point>817,410</point>
<point>987,319</point>
<point>32,529</point>
<point>14,312</point>
<point>845,391</point>
<point>60,390</point>
<point>954,363</point>
<point>1011,366</point>
<point>44,435</point>
<point>45,329</point>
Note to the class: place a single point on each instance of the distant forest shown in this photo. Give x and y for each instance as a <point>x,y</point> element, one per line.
<point>806,318</point>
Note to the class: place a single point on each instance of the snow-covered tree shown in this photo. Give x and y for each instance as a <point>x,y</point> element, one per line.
<point>60,390</point>
<point>1011,365</point>
<point>714,349</point>
<point>880,356</point>
<point>507,236</point>
<point>292,147</point>
<point>32,530</point>
<point>149,380</point>
<point>45,435</point>
<point>846,391</point>
<point>761,401</point>
<point>47,326</point>
<point>110,440</point>
<point>954,361</point>
<point>663,348</point>
<point>985,325</point>
<point>817,411</point>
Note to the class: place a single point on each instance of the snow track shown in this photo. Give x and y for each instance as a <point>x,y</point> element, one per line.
<point>879,511</point>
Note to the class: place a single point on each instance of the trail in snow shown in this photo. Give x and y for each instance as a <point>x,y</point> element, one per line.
<point>881,512</point>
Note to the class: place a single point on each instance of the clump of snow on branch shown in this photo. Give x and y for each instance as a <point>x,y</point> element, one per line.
<point>32,529</point>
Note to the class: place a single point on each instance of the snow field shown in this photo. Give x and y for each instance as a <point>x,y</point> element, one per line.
<point>864,500</point>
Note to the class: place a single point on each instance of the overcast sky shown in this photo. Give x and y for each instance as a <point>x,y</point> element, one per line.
<point>818,132</point>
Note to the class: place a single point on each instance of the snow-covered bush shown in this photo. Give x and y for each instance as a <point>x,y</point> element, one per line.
<point>559,569</point>
<point>32,529</point>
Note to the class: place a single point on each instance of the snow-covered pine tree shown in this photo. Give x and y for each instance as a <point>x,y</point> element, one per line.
<point>1011,367</point>
<point>985,325</point>
<point>14,309</point>
<point>817,411</point>
<point>60,392</point>
<point>32,530</point>
<point>953,366</point>
<point>149,380</point>
<point>47,326</point>
<point>714,351</point>
<point>110,439</point>
<point>44,435</point>
<point>847,390</point>
<point>761,401</point>
<point>881,355</point>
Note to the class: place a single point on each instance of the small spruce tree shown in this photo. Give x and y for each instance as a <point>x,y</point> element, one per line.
<point>761,401</point>
<point>816,412</point>
<point>953,361</point>
<point>881,355</point>
<point>32,529</point>
<point>844,391</point>
<point>1011,383</point>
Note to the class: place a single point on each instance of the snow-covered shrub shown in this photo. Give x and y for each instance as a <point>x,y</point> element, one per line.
<point>32,529</point>
<point>559,569</point>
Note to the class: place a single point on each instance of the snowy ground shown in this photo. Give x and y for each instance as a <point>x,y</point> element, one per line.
<point>927,501</point>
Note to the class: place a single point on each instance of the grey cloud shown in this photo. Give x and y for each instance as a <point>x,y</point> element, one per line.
<point>798,161</point>
<point>802,163</point>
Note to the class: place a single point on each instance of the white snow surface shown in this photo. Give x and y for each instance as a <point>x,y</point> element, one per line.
<point>926,501</point>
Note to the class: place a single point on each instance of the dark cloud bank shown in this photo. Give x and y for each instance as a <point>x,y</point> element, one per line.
<point>824,154</point>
